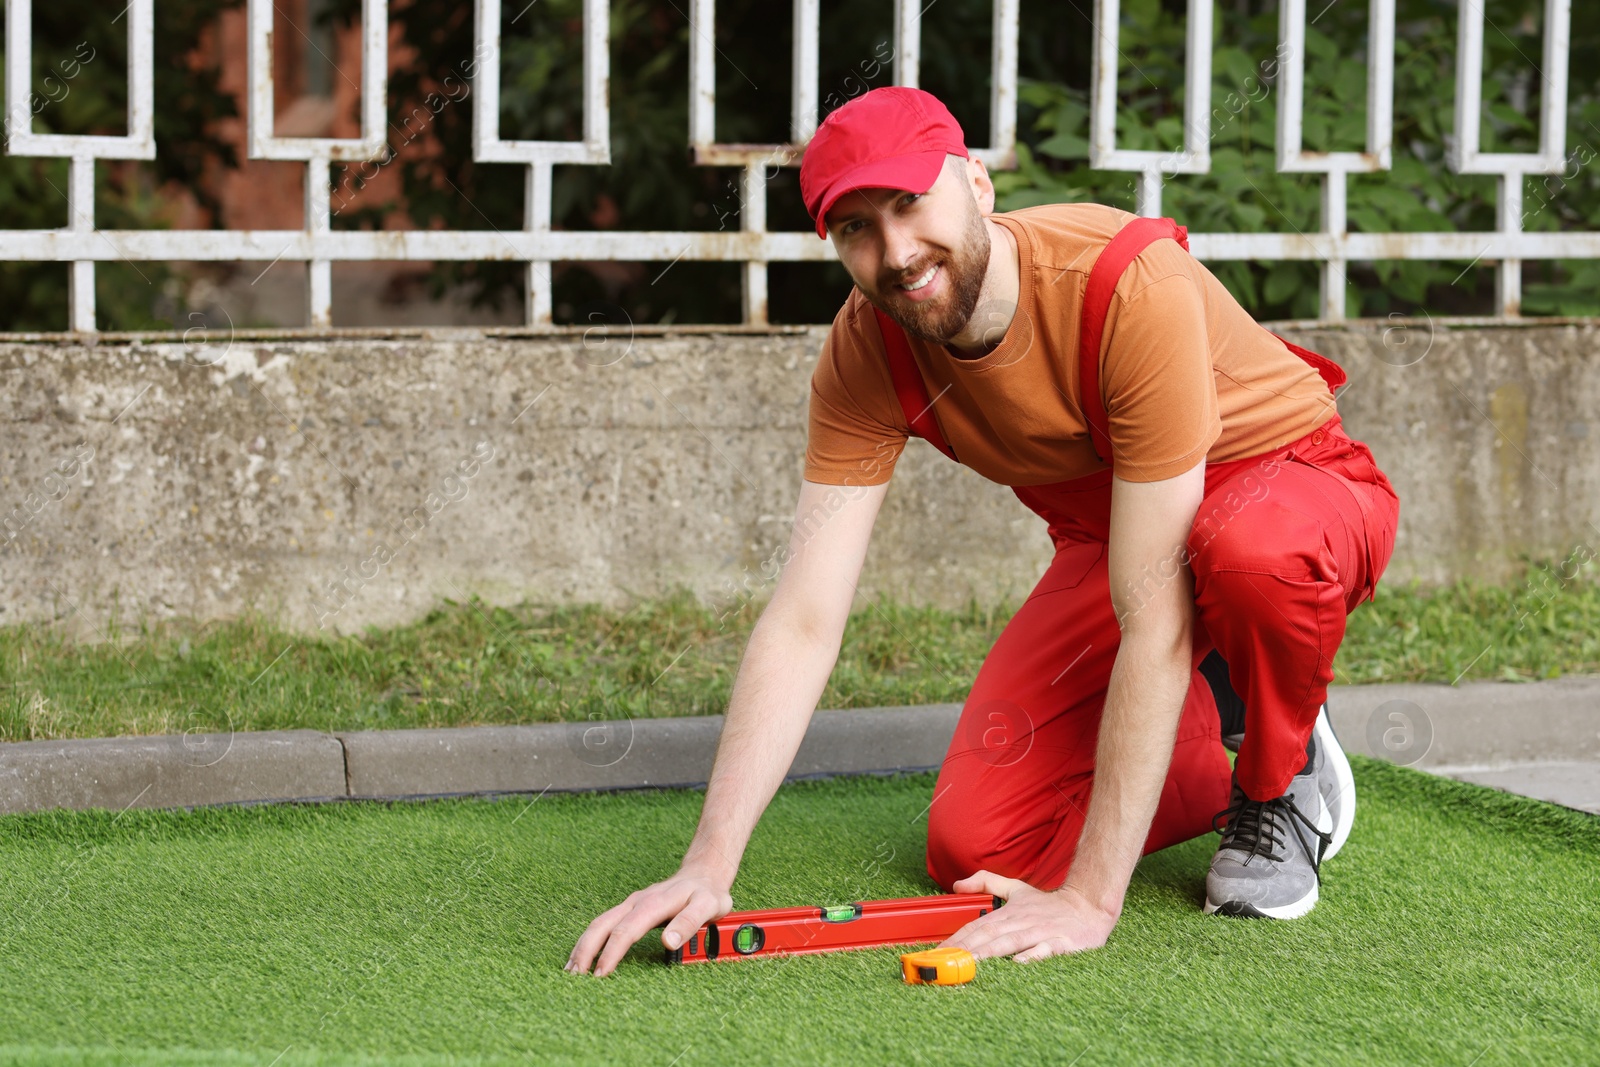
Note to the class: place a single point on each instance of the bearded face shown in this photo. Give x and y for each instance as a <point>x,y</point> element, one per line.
<point>955,274</point>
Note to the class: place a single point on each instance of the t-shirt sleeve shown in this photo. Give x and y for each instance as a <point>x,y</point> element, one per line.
<point>853,436</point>
<point>1160,389</point>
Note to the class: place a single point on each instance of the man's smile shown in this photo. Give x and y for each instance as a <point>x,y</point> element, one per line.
<point>925,286</point>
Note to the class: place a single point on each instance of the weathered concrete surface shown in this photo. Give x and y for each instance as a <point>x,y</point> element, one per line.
<point>347,482</point>
<point>1490,434</point>
<point>180,770</point>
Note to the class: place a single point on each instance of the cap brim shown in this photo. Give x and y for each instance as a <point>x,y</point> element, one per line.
<point>915,173</point>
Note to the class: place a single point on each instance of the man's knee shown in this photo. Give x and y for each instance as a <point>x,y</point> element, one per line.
<point>967,831</point>
<point>966,836</point>
<point>952,837</point>
<point>956,848</point>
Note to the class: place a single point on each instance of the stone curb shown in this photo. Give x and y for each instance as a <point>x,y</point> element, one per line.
<point>1479,723</point>
<point>181,770</point>
<point>627,754</point>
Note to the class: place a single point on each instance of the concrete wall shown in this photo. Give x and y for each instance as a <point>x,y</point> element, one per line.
<point>197,479</point>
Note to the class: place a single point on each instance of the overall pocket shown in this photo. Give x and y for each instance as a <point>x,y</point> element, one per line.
<point>1071,565</point>
<point>1351,463</point>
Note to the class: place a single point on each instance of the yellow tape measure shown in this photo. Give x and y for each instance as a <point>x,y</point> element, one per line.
<point>938,966</point>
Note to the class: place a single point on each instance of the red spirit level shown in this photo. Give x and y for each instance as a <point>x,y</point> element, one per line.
<point>870,923</point>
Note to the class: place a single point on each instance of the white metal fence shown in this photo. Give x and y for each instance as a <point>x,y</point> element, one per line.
<point>81,244</point>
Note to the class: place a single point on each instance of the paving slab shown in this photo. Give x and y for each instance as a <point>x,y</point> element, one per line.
<point>180,770</point>
<point>1570,783</point>
<point>1474,723</point>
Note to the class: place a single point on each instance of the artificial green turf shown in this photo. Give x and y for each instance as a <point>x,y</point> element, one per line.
<point>1458,926</point>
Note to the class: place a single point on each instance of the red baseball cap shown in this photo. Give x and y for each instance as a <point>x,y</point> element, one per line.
<point>890,138</point>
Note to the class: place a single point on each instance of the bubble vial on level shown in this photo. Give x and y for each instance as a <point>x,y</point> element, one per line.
<point>749,938</point>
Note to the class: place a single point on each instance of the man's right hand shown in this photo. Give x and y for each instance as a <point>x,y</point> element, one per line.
<point>685,902</point>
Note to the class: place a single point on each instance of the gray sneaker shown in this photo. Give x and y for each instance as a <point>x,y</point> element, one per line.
<point>1267,864</point>
<point>1334,780</point>
<point>1337,784</point>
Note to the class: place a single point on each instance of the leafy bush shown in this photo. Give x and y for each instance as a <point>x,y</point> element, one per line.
<point>1244,192</point>
<point>651,184</point>
<point>80,60</point>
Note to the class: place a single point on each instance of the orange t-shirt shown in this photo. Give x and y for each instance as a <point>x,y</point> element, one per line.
<point>1186,372</point>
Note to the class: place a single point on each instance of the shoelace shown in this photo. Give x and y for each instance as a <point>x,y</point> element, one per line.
<point>1258,825</point>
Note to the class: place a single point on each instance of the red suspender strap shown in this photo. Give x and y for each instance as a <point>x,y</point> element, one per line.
<point>1108,268</point>
<point>1107,271</point>
<point>1331,372</point>
<point>908,384</point>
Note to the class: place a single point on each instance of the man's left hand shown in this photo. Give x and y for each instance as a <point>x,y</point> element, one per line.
<point>1034,923</point>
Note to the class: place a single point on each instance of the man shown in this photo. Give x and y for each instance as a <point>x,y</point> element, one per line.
<point>1212,524</point>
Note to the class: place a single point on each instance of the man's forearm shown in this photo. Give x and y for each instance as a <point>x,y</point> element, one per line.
<point>1144,702</point>
<point>780,680</point>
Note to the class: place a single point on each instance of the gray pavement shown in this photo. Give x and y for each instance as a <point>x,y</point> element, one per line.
<point>1538,739</point>
<point>1570,783</point>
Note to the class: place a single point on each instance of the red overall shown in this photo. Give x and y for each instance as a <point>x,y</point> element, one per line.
<point>1284,546</point>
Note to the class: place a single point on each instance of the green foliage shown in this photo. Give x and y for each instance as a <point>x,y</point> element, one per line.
<point>1244,192</point>
<point>652,185</point>
<point>80,86</point>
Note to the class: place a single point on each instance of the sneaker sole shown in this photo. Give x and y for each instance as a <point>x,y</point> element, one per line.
<point>1245,909</point>
<point>1344,779</point>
